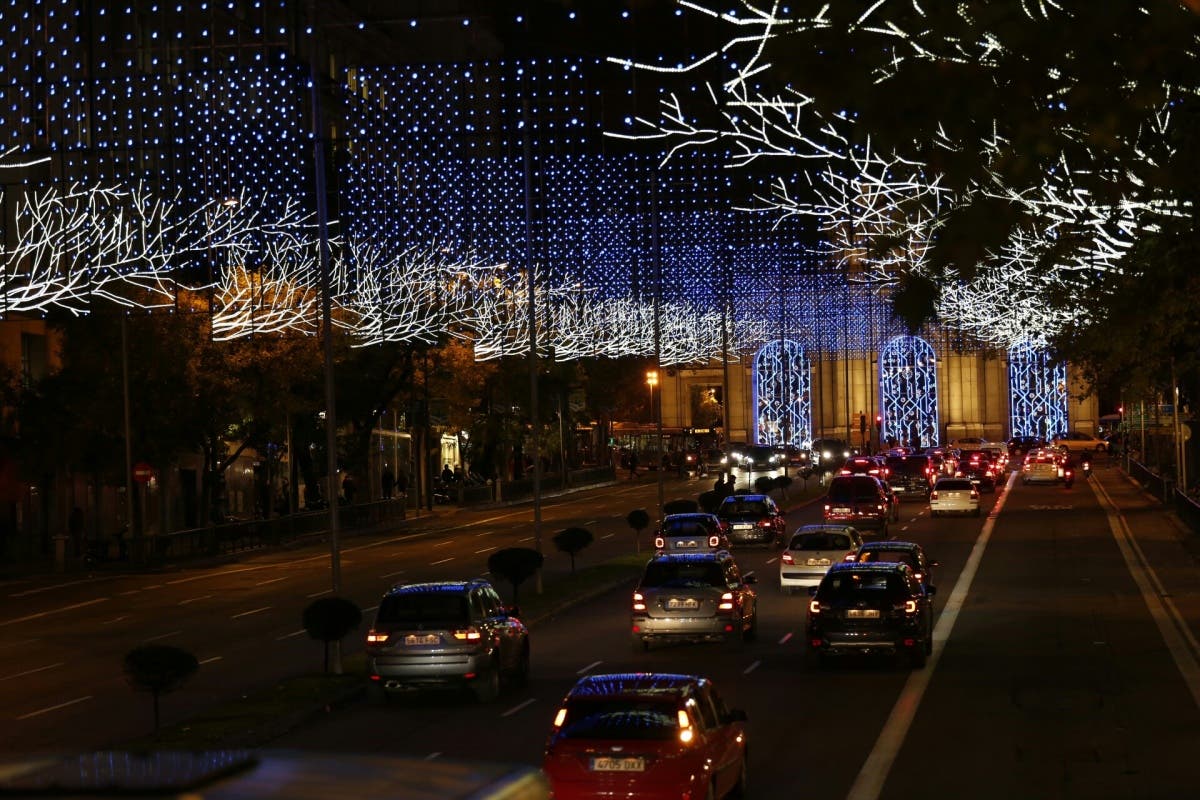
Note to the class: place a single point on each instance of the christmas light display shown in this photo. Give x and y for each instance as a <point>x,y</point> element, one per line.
<point>782,399</point>
<point>908,392</point>
<point>1038,391</point>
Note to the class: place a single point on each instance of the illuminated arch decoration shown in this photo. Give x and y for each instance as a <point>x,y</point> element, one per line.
<point>908,394</point>
<point>782,400</point>
<point>1037,390</point>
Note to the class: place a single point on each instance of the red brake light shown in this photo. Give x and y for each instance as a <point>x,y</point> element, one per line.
<point>933,495</point>
<point>468,634</point>
<point>787,558</point>
<point>374,637</point>
<point>726,602</point>
<point>974,494</point>
<point>714,541</point>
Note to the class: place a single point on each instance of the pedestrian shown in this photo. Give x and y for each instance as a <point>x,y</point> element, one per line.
<point>633,465</point>
<point>387,483</point>
<point>719,485</point>
<point>349,487</point>
<point>447,475</point>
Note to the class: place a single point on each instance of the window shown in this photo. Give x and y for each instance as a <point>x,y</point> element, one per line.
<point>426,609</point>
<point>683,574</point>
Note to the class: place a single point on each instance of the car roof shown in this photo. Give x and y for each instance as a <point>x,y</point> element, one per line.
<point>892,545</point>
<point>869,566</point>
<point>636,684</point>
<point>445,587</point>
<point>739,497</point>
<point>689,516</point>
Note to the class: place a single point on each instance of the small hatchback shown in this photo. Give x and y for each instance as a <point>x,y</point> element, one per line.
<point>869,609</point>
<point>448,633</point>
<point>646,735</point>
<point>693,597</point>
<point>813,549</point>
<point>690,533</point>
<point>954,496</point>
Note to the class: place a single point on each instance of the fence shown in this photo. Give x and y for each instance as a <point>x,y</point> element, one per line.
<point>1162,487</point>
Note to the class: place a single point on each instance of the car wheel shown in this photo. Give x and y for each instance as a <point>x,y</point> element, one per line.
<point>752,632</point>
<point>978,511</point>
<point>929,645</point>
<point>739,789</point>
<point>487,685</point>
<point>787,590</point>
<point>520,675</point>
<point>813,659</point>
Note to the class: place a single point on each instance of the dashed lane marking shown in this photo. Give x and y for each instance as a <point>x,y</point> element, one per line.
<point>393,574</point>
<point>273,580</point>
<point>32,671</point>
<point>162,636</point>
<point>787,637</point>
<point>443,561</point>
<point>588,668</point>
<point>751,668</point>
<point>291,635</point>
<point>519,706</point>
<point>318,594</point>
<point>251,611</point>
<point>194,599</point>
<point>211,660</point>
<point>41,614</point>
<point>41,711</point>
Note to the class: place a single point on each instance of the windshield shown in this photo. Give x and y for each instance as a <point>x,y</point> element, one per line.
<point>683,575</point>
<point>852,587</point>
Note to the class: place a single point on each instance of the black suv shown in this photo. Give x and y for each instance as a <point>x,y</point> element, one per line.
<point>910,553</point>
<point>448,633</point>
<point>752,519</point>
<point>870,608</point>
<point>911,477</point>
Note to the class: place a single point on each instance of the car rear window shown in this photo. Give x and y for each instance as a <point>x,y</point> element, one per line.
<point>850,586</point>
<point>683,575</point>
<point>429,609</point>
<point>685,529</point>
<point>620,719</point>
<point>756,507</point>
<point>892,556</point>
<point>821,541</point>
<point>908,466</point>
<point>849,491</point>
<point>953,484</point>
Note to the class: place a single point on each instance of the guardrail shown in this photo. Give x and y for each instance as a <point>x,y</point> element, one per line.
<point>1185,507</point>
<point>1188,510</point>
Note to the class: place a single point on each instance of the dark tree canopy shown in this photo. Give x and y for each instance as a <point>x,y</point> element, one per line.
<point>572,541</point>
<point>515,565</point>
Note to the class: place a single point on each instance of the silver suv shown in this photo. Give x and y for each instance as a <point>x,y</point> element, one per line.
<point>450,633</point>
<point>694,596</point>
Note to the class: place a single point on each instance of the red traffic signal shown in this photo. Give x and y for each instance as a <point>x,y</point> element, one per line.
<point>879,422</point>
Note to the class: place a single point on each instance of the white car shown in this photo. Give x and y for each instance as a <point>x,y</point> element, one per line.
<point>954,496</point>
<point>1079,442</point>
<point>812,550</point>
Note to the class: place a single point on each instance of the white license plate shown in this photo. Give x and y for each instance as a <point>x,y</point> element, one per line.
<point>677,604</point>
<point>841,511</point>
<point>862,613</point>
<point>422,638</point>
<point>818,562</point>
<point>745,527</point>
<point>626,764</point>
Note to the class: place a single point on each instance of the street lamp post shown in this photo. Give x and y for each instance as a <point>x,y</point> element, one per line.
<point>652,381</point>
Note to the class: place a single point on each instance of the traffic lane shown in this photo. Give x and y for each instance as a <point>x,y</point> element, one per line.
<point>1056,682</point>
<point>232,618</point>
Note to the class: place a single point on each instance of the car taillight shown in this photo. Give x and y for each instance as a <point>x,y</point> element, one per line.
<point>686,734</point>
<point>471,634</point>
<point>814,606</point>
<point>880,506</point>
<point>726,602</point>
<point>639,602</point>
<point>787,558</point>
<point>974,494</point>
<point>918,575</point>
<point>560,717</point>
<point>908,606</point>
<point>828,508</point>
<point>764,523</point>
<point>660,542</point>
<point>933,495</point>
<point>376,637</point>
<point>714,541</point>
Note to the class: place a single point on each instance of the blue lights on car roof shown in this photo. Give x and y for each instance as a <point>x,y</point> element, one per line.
<point>711,555</point>
<point>644,683</point>
<point>432,586</point>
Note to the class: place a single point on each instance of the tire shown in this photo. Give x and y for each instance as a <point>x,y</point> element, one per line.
<point>978,511</point>
<point>739,790</point>
<point>918,657</point>
<point>814,660</point>
<point>520,674</point>
<point>487,686</point>
<point>752,632</point>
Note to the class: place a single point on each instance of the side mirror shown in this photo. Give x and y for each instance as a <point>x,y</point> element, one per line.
<point>734,715</point>
<point>812,591</point>
<point>749,577</point>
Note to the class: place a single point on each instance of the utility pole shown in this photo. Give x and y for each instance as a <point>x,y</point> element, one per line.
<point>527,152</point>
<point>657,245</point>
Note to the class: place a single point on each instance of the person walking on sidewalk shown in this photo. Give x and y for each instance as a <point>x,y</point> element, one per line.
<point>633,464</point>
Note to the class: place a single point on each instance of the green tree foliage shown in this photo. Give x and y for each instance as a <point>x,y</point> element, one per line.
<point>158,669</point>
<point>329,619</point>
<point>763,484</point>
<point>639,520</point>
<point>572,541</point>
<point>515,565</point>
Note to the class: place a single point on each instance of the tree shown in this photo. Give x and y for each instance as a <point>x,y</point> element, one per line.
<point>639,520</point>
<point>328,620</point>
<point>158,669</point>
<point>572,541</point>
<point>515,565</point>
<point>783,482</point>
<point>681,506</point>
<point>763,484</point>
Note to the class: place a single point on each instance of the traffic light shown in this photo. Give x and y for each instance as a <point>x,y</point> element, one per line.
<point>879,422</point>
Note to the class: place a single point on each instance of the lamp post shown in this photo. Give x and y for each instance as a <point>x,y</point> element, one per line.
<point>652,381</point>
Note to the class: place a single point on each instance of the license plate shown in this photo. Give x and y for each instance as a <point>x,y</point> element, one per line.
<point>689,545</point>
<point>678,603</point>
<point>626,764</point>
<point>841,511</point>
<point>818,562</point>
<point>862,613</point>
<point>745,527</point>
<point>422,638</point>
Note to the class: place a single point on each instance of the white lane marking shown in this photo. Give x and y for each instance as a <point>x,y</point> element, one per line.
<point>1172,626</point>
<point>28,592</point>
<point>432,756</point>
<point>162,636</point>
<point>155,586</point>
<point>751,668</point>
<point>393,574</point>
<point>527,539</point>
<point>126,594</point>
<point>31,671</point>
<point>904,528</point>
<point>41,614</point>
<point>443,561</point>
<point>485,533</point>
<point>115,619</point>
<point>194,599</point>
<point>772,560</point>
<point>368,610</point>
<point>211,660</point>
<point>290,635</point>
<point>318,594</point>
<point>608,536</point>
<point>443,544</point>
<point>589,667</point>
<point>41,711</point>
<point>273,580</point>
<point>589,522</point>
<point>519,706</point>
<point>484,550</point>
<point>251,611</point>
<point>870,779</point>
<point>787,637</point>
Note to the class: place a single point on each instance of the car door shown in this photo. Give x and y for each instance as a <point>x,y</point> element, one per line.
<point>722,738</point>
<point>506,631</point>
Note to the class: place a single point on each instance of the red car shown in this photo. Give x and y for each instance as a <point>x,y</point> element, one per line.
<point>646,735</point>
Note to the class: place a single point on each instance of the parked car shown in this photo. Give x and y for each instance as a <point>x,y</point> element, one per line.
<point>892,550</point>
<point>693,532</point>
<point>868,609</point>
<point>859,501</point>
<point>646,734</point>
<point>694,597</point>
<point>954,496</point>
<point>752,519</point>
<point>446,633</point>
<point>812,550</point>
<point>1078,441</point>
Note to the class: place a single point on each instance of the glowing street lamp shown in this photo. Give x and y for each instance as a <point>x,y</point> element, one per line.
<point>652,381</point>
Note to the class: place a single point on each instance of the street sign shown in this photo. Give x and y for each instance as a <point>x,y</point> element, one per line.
<point>143,472</point>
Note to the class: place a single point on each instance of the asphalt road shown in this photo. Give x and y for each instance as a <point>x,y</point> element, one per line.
<point>1050,676</point>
